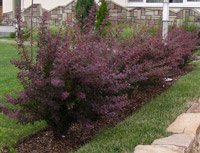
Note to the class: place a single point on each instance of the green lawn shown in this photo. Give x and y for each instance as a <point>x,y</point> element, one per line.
<point>147,124</point>
<point>10,132</point>
<point>7,38</point>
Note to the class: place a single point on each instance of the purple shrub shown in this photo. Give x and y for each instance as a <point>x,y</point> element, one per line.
<point>68,83</point>
<point>90,20</point>
<point>154,59</point>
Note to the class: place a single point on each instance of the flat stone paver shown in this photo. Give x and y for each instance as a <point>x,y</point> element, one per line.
<point>180,140</point>
<point>158,149</point>
<point>187,123</point>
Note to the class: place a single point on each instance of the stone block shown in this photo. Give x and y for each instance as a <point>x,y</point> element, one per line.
<point>54,16</point>
<point>187,123</point>
<point>114,14</point>
<point>68,11</point>
<point>195,108</point>
<point>113,11</point>
<point>156,13</point>
<point>158,149</point>
<point>150,13</point>
<point>179,140</point>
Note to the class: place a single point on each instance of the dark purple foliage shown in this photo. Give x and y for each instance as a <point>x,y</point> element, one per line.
<point>69,83</point>
<point>90,20</point>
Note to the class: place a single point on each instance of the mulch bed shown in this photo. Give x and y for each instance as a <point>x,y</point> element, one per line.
<point>44,141</point>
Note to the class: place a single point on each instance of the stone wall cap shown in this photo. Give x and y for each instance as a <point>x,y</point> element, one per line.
<point>158,149</point>
<point>188,123</point>
<point>180,140</point>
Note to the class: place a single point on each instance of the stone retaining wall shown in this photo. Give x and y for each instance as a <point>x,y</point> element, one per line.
<point>37,13</point>
<point>65,14</point>
<point>62,14</point>
<point>185,136</point>
<point>119,13</point>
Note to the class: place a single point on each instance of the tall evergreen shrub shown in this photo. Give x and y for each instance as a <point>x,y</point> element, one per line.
<point>102,14</point>
<point>82,10</point>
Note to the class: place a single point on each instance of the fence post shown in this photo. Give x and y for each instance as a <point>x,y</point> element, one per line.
<point>165,19</point>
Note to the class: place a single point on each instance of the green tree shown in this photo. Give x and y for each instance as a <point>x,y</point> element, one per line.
<point>102,14</point>
<point>82,10</point>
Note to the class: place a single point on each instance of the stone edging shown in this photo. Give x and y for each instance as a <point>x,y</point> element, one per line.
<point>185,138</point>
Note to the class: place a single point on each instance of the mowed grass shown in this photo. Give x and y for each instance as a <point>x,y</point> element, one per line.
<point>149,122</point>
<point>10,131</point>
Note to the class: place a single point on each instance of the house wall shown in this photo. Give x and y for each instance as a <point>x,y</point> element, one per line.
<point>46,4</point>
<point>62,14</point>
<point>184,4</point>
<point>37,14</point>
<point>66,13</point>
<point>176,16</point>
<point>8,18</point>
<point>144,14</point>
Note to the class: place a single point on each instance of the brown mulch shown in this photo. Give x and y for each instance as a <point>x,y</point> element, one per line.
<point>44,141</point>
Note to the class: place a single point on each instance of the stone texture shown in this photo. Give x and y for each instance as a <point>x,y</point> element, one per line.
<point>197,145</point>
<point>37,13</point>
<point>8,18</point>
<point>117,12</point>
<point>195,108</point>
<point>180,140</point>
<point>187,123</point>
<point>158,149</point>
<point>64,14</point>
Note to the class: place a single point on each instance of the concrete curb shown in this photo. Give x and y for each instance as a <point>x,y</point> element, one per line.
<point>185,138</point>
